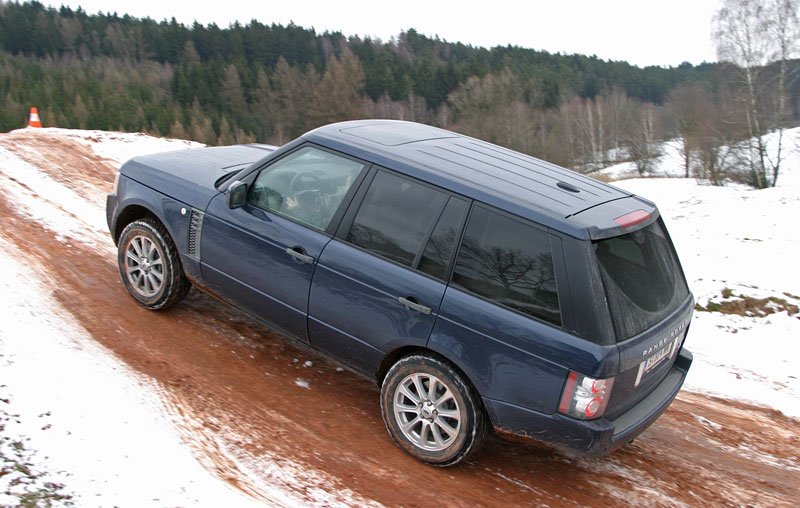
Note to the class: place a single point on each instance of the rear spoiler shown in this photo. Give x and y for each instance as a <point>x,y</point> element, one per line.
<point>617,217</point>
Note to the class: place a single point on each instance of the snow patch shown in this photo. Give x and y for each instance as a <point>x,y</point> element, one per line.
<point>706,422</point>
<point>750,359</point>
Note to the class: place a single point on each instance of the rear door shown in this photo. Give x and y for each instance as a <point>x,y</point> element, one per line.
<point>262,255</point>
<point>379,283</point>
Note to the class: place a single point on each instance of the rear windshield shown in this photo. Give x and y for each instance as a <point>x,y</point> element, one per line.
<point>643,278</point>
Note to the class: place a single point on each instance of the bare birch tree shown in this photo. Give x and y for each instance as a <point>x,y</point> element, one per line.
<point>752,34</point>
<point>642,146</point>
<point>784,33</point>
<point>689,106</point>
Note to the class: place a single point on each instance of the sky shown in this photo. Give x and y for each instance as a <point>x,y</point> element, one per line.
<point>642,32</point>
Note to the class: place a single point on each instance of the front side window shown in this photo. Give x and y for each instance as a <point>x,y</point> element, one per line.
<point>396,217</point>
<point>307,185</point>
<point>510,263</point>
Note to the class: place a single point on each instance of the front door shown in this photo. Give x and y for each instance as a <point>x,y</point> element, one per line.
<point>262,255</point>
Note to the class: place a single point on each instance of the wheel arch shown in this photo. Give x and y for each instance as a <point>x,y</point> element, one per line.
<point>131,213</point>
<point>394,356</point>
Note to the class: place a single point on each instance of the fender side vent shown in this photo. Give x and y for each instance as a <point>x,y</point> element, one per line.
<point>195,228</point>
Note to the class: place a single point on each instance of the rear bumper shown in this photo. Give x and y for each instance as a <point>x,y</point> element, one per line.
<point>596,437</point>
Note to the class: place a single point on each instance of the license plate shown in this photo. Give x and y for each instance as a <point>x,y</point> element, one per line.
<point>650,363</point>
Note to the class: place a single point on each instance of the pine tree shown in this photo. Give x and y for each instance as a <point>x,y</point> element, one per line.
<point>338,96</point>
<point>232,94</point>
<point>177,131</point>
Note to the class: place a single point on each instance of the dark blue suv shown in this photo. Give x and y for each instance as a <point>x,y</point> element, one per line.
<point>481,287</point>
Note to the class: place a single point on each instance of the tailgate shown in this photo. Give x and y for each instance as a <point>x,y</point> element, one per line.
<point>650,303</point>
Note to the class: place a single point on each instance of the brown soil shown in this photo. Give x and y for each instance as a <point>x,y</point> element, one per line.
<point>229,384</point>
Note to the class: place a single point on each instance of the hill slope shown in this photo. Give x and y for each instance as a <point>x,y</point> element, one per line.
<point>100,387</point>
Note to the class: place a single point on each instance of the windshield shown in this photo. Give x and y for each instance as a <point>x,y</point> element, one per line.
<point>643,279</point>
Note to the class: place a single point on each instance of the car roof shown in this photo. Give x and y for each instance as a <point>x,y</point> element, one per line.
<point>509,180</point>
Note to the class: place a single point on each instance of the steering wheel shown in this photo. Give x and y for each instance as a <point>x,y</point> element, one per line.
<point>304,178</point>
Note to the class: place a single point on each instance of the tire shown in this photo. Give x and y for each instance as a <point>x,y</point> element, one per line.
<point>149,265</point>
<point>417,421</point>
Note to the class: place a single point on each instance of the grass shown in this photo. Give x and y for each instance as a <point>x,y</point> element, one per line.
<point>743,305</point>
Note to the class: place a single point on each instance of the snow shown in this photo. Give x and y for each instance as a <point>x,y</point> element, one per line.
<point>749,359</point>
<point>708,423</point>
<point>85,416</point>
<point>121,146</point>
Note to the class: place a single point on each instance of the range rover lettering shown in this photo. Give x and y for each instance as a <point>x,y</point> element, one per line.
<point>480,287</point>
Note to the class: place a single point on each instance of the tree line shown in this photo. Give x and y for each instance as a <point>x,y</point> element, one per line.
<point>269,83</point>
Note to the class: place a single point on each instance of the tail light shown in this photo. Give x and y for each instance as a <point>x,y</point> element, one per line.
<point>633,218</point>
<point>585,398</point>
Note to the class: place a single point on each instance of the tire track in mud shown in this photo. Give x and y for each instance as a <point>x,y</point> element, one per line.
<point>231,386</point>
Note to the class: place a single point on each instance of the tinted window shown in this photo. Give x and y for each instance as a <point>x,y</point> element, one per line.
<point>643,280</point>
<point>510,263</point>
<point>396,217</point>
<point>439,248</point>
<point>307,185</point>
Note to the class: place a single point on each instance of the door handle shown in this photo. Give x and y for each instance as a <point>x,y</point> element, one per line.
<point>299,254</point>
<point>411,304</point>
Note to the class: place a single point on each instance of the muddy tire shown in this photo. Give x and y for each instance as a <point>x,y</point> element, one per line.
<point>431,412</point>
<point>150,266</point>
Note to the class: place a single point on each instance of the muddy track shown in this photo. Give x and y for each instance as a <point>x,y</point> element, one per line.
<point>262,411</point>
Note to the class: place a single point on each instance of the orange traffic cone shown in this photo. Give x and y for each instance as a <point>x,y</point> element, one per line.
<point>34,118</point>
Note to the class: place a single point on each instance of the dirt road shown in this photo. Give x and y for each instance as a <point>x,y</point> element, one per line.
<point>254,405</point>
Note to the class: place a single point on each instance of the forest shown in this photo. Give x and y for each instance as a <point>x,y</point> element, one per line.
<point>270,83</point>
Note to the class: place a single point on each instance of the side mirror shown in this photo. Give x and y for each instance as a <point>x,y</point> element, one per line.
<point>236,195</point>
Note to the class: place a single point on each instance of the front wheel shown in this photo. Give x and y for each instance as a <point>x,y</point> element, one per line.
<point>149,265</point>
<point>431,412</point>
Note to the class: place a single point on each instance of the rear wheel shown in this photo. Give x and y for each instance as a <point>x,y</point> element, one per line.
<point>431,412</point>
<point>149,265</point>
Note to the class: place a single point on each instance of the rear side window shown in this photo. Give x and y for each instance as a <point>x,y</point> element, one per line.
<point>396,218</point>
<point>510,263</point>
<point>643,279</point>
